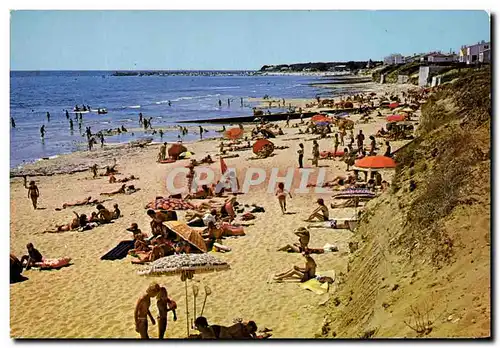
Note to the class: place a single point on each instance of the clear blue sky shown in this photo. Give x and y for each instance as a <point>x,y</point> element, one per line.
<point>111,40</point>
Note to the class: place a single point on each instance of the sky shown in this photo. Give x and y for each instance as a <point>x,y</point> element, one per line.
<point>230,40</point>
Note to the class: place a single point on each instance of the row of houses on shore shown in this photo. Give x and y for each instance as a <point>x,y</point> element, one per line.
<point>471,54</point>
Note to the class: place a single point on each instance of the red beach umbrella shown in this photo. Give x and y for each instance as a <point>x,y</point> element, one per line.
<point>234,133</point>
<point>393,105</point>
<point>261,144</point>
<point>395,118</point>
<point>175,150</point>
<point>375,162</point>
<point>320,118</point>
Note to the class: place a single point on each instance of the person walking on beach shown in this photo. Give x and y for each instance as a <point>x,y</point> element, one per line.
<point>201,132</point>
<point>300,151</point>
<point>12,122</point>
<point>342,135</point>
<point>48,116</point>
<point>360,138</point>
<point>42,131</point>
<point>165,305</point>
<point>281,193</point>
<point>163,151</point>
<point>142,312</point>
<point>315,153</point>
<point>288,121</point>
<point>33,193</point>
<point>140,118</point>
<point>101,138</point>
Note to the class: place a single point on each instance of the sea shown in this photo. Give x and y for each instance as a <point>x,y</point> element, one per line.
<point>192,96</point>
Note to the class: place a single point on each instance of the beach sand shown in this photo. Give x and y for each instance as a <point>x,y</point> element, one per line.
<point>96,299</point>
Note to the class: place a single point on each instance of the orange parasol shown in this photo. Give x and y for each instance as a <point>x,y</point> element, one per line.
<point>188,234</point>
<point>375,162</point>
<point>321,118</point>
<point>395,118</point>
<point>175,150</point>
<point>259,145</point>
<point>234,133</point>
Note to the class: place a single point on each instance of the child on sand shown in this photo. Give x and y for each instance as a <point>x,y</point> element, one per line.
<point>281,193</point>
<point>33,193</point>
<point>164,306</point>
<point>142,312</point>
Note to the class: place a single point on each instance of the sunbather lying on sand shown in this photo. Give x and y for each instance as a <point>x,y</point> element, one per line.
<point>33,257</point>
<point>301,246</point>
<point>204,193</point>
<point>78,221</point>
<point>237,331</point>
<point>118,191</point>
<point>112,179</point>
<point>86,201</point>
<point>304,274</point>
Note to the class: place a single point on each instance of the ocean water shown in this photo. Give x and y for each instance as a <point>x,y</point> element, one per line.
<point>33,94</point>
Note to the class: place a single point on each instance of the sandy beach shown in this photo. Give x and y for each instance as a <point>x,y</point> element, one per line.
<point>96,299</point>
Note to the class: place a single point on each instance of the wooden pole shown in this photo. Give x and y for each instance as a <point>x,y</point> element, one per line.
<point>187,307</point>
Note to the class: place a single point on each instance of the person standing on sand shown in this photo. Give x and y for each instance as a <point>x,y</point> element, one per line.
<point>12,122</point>
<point>163,151</point>
<point>140,118</point>
<point>33,193</point>
<point>360,138</point>
<point>164,305</point>
<point>42,131</point>
<point>373,145</point>
<point>301,118</point>
<point>281,193</point>
<point>335,144</point>
<point>315,153</point>
<point>342,135</point>
<point>142,312</point>
<point>48,116</point>
<point>94,171</point>
<point>201,132</point>
<point>300,151</point>
<point>288,121</point>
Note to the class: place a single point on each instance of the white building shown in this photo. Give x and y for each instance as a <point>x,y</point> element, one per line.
<point>474,54</point>
<point>395,58</point>
<point>440,58</point>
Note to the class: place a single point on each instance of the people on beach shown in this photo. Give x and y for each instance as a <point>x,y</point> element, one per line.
<point>32,258</point>
<point>115,192</point>
<point>315,153</point>
<point>116,211</point>
<point>94,171</point>
<point>163,151</point>
<point>228,102</point>
<point>336,143</point>
<point>241,102</point>
<point>33,193</point>
<point>165,305</point>
<point>373,145</point>
<point>220,103</point>
<point>360,138</point>
<point>142,311</point>
<point>12,122</point>
<point>103,215</point>
<point>67,114</point>
<point>71,125</point>
<point>42,131</point>
<point>140,118</point>
<point>304,238</point>
<point>320,213</point>
<point>85,201</point>
<point>388,149</point>
<point>300,151</point>
<point>201,132</point>
<point>302,273</point>
<point>48,116</point>
<point>281,193</point>
<point>78,221</point>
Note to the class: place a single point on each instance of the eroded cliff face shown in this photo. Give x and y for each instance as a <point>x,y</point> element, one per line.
<point>422,267</point>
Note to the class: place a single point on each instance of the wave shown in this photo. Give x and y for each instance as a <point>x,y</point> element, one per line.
<point>133,107</point>
<point>187,98</point>
<point>224,87</point>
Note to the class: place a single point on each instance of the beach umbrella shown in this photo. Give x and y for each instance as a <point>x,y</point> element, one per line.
<point>321,118</point>
<point>188,234</point>
<point>395,118</point>
<point>187,265</point>
<point>375,162</point>
<point>407,109</point>
<point>263,148</point>
<point>394,105</point>
<point>175,150</point>
<point>234,133</point>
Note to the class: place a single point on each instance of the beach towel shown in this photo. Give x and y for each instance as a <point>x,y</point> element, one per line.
<point>316,286</point>
<point>53,263</point>
<point>120,251</point>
